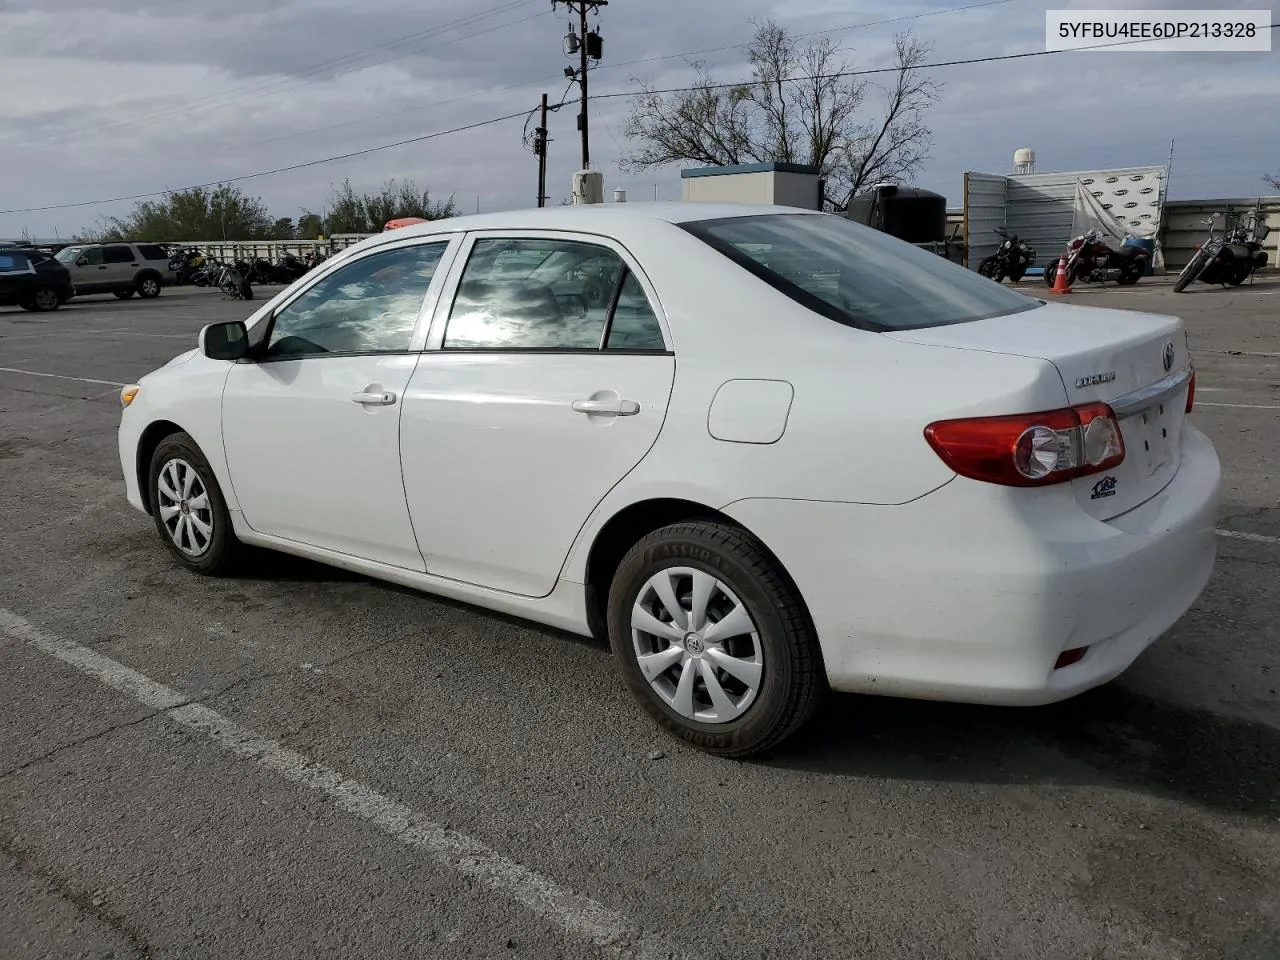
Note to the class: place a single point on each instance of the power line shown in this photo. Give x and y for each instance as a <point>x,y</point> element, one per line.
<point>874,70</point>
<point>523,113</point>
<point>279,85</point>
<point>268,173</point>
<point>541,80</point>
<point>802,36</point>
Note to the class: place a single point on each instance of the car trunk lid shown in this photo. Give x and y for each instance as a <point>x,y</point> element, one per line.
<point>1137,362</point>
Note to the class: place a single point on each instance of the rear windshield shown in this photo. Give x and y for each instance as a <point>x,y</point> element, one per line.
<point>856,275</point>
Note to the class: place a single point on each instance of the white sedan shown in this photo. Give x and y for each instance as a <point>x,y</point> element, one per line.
<point>765,452</point>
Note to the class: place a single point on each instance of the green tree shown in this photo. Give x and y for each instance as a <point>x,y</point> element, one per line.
<point>225,212</point>
<point>351,212</point>
<point>283,229</point>
<point>310,226</point>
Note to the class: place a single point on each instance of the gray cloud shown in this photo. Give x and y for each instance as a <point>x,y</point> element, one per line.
<point>128,96</point>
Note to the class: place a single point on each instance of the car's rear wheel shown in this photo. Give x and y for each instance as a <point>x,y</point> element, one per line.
<point>43,300</point>
<point>123,294</point>
<point>189,510</point>
<point>148,287</point>
<point>713,640</point>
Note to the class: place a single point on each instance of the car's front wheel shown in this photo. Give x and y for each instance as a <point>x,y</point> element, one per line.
<point>713,640</point>
<point>189,510</point>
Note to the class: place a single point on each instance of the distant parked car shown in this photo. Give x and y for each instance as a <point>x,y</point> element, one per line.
<point>33,280</point>
<point>119,268</point>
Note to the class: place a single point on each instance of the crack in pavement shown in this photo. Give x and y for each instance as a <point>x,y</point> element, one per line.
<point>85,903</point>
<point>202,699</point>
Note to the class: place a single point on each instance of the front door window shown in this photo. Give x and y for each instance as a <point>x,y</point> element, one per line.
<point>369,306</point>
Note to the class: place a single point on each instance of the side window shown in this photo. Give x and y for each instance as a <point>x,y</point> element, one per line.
<point>151,251</point>
<point>369,305</point>
<point>635,325</point>
<point>93,256</point>
<point>14,263</point>
<point>117,254</point>
<point>533,294</point>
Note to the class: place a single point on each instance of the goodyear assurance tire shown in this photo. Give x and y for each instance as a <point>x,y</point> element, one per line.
<point>713,640</point>
<point>188,507</point>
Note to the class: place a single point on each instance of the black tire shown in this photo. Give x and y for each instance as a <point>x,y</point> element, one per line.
<point>148,286</point>
<point>246,291</point>
<point>1130,275</point>
<point>223,551</point>
<point>123,294</point>
<point>990,268</point>
<point>1189,273</point>
<point>793,680</point>
<point>1238,273</point>
<point>1050,272</point>
<point>43,300</point>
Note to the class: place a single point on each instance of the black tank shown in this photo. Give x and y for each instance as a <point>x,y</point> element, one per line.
<point>908,213</point>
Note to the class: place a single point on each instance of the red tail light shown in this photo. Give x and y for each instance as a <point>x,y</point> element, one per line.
<point>1033,449</point>
<point>1191,391</point>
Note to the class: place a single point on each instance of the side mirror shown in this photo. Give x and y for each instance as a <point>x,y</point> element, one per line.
<point>225,341</point>
<point>82,261</point>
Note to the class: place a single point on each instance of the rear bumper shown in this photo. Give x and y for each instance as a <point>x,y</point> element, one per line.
<point>972,592</point>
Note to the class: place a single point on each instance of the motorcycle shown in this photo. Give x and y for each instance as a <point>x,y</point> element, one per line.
<point>1091,259</point>
<point>186,263</point>
<point>1227,259</point>
<point>231,281</point>
<point>1011,260</point>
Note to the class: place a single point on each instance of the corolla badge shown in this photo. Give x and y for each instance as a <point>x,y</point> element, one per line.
<point>1093,379</point>
<point>1167,356</point>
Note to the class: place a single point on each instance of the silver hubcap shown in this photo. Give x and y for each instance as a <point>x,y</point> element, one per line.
<point>149,287</point>
<point>697,645</point>
<point>184,507</point>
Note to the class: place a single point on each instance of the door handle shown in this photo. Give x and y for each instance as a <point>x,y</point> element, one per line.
<point>382,398</point>
<point>606,408</point>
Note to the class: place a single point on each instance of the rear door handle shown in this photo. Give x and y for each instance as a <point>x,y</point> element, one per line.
<point>607,408</point>
<point>382,398</point>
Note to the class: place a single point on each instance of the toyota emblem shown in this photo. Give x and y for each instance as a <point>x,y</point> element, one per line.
<point>1167,357</point>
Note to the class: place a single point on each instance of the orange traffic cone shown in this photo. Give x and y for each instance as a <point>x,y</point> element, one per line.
<point>1060,277</point>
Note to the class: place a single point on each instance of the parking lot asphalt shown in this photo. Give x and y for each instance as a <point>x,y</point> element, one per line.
<point>303,763</point>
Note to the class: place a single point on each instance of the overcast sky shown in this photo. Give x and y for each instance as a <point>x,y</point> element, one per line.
<point>105,98</point>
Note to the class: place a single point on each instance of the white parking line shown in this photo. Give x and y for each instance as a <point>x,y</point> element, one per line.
<point>58,376</point>
<point>1252,537</point>
<point>1243,406</point>
<point>581,916</point>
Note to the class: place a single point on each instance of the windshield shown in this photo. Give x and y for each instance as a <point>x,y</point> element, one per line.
<point>856,275</point>
<point>67,254</point>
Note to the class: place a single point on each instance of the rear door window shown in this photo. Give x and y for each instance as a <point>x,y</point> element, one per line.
<point>117,254</point>
<point>550,294</point>
<point>150,251</point>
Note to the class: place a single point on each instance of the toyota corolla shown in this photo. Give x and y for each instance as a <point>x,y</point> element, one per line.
<point>764,452</point>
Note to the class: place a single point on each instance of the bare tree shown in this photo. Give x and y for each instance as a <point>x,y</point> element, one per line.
<point>1273,180</point>
<point>801,106</point>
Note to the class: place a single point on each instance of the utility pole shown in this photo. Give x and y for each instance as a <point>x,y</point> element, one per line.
<point>589,45</point>
<point>540,141</point>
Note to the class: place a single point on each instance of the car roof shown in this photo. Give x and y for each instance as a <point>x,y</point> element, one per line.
<point>593,217</point>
